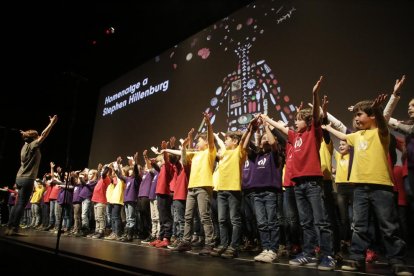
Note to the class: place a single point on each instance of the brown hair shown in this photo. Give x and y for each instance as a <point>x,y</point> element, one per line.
<point>305,114</point>
<point>235,135</point>
<point>31,133</point>
<point>365,106</point>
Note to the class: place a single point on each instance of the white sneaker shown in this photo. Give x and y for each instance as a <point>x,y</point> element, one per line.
<point>259,258</point>
<point>269,257</point>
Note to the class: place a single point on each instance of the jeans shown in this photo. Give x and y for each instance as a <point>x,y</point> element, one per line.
<point>248,217</point>
<point>199,198</point>
<point>86,213</point>
<point>345,199</point>
<point>179,206</point>
<point>313,217</point>
<point>144,223</point>
<point>293,231</point>
<point>265,205</point>
<point>25,187</point>
<point>116,219</point>
<point>228,203</point>
<point>166,221</point>
<point>377,199</point>
<point>130,214</point>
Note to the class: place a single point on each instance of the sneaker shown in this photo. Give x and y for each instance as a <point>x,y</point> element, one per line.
<point>163,244</point>
<point>154,243</point>
<point>352,265</point>
<point>259,258</point>
<point>371,256</point>
<point>269,257</point>
<point>98,235</point>
<point>148,240</point>
<point>327,263</point>
<point>304,259</point>
<point>174,244</point>
<point>217,251</point>
<point>401,270</point>
<point>282,251</point>
<point>230,253</point>
<point>111,237</point>
<point>182,247</point>
<point>206,251</point>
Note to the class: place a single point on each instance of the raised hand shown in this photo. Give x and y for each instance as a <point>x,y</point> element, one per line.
<point>317,85</point>
<point>325,106</point>
<point>379,100</point>
<point>397,86</point>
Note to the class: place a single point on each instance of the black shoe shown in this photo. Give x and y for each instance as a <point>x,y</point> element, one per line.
<point>216,252</point>
<point>182,247</point>
<point>230,253</point>
<point>206,251</point>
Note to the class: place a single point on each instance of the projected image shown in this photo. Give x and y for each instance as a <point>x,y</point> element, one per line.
<point>252,87</point>
<point>264,58</point>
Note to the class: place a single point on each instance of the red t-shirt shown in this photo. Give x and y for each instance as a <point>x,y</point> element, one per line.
<point>181,185</point>
<point>399,185</point>
<point>164,178</point>
<point>46,195</point>
<point>99,193</point>
<point>287,178</point>
<point>304,157</point>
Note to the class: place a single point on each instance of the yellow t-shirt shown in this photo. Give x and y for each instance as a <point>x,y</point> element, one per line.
<point>37,194</point>
<point>202,164</point>
<point>325,153</point>
<point>370,163</point>
<point>216,176</point>
<point>342,166</point>
<point>230,169</point>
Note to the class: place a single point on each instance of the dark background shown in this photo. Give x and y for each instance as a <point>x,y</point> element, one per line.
<point>52,66</point>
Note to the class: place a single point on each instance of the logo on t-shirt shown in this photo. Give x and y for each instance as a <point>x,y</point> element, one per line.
<point>246,164</point>
<point>298,142</point>
<point>362,145</point>
<point>262,162</point>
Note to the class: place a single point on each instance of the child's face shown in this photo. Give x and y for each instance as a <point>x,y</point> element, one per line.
<point>343,147</point>
<point>230,143</point>
<point>300,124</point>
<point>201,144</point>
<point>363,121</point>
<point>411,109</point>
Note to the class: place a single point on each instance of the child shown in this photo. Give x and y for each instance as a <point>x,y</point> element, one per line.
<point>307,175</point>
<point>373,186</point>
<point>200,189</point>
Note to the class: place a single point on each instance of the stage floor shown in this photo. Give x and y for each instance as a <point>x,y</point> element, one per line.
<point>38,250</point>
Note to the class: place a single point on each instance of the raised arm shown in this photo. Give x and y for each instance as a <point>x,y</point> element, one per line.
<point>395,97</point>
<point>46,131</point>
<point>338,134</point>
<point>278,125</point>
<point>381,123</point>
<point>219,142</point>
<point>210,133</point>
<point>315,101</point>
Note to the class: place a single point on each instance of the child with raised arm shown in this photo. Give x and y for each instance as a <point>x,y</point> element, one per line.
<point>306,172</point>
<point>200,189</point>
<point>373,187</point>
<point>229,194</point>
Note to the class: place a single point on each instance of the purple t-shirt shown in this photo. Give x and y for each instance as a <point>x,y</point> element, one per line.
<point>76,193</point>
<point>144,189</point>
<point>247,173</point>
<point>131,190</point>
<point>61,196</point>
<point>266,173</point>
<point>87,189</point>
